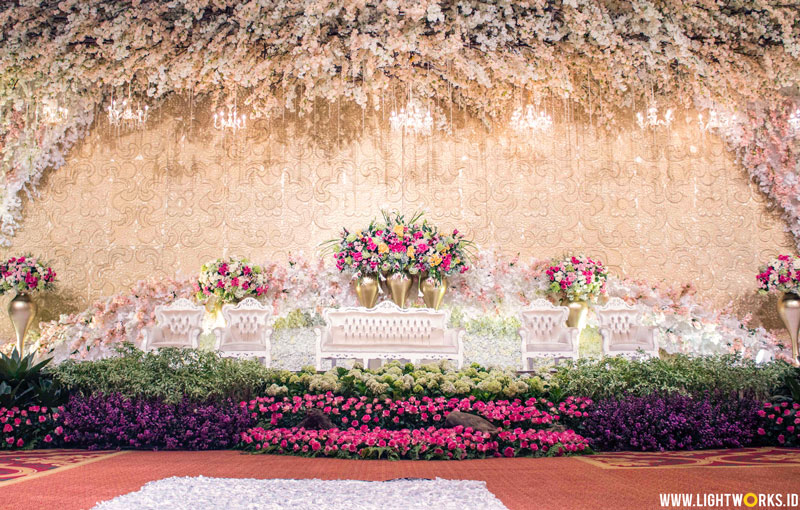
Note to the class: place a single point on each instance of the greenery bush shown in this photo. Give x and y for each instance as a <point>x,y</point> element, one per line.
<point>171,374</point>
<point>683,374</point>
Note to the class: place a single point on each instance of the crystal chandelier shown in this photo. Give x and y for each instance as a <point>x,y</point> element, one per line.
<point>716,120</point>
<point>229,120</point>
<point>121,113</point>
<point>794,121</point>
<point>528,119</point>
<point>651,119</point>
<point>412,118</point>
<point>52,113</point>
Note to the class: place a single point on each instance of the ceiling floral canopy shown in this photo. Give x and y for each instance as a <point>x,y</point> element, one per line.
<point>62,62</point>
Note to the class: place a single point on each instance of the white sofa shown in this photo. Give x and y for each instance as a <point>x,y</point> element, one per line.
<point>544,333</point>
<point>388,332</point>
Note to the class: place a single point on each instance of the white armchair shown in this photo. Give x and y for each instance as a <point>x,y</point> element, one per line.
<point>247,331</point>
<point>622,330</point>
<point>178,324</point>
<point>545,334</point>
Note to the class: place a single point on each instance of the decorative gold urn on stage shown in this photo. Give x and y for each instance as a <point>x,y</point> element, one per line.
<point>399,286</point>
<point>366,290</point>
<point>577,313</point>
<point>433,291</point>
<point>22,310</point>
<point>789,312</point>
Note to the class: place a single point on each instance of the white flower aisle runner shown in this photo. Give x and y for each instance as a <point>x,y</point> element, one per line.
<point>196,493</point>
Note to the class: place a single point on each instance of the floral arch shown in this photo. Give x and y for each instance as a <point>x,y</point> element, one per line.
<point>739,59</point>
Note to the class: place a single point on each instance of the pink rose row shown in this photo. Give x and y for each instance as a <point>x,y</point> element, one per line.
<point>21,427</point>
<point>781,422</point>
<point>426,443</point>
<point>390,413</point>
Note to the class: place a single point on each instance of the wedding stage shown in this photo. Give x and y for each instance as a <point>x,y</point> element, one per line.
<point>405,253</point>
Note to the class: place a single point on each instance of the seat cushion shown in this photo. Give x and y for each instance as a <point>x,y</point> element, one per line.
<point>389,348</point>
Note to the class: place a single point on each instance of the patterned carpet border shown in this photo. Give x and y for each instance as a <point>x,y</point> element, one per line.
<point>734,458</point>
<point>21,466</point>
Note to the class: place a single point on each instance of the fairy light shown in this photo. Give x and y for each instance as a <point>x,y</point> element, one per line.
<point>122,113</point>
<point>651,119</point>
<point>528,119</point>
<point>412,118</point>
<point>53,113</point>
<point>230,119</point>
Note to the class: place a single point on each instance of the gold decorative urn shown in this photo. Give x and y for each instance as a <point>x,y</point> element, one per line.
<point>399,286</point>
<point>22,310</point>
<point>433,291</point>
<point>789,312</point>
<point>366,290</point>
<point>577,313</point>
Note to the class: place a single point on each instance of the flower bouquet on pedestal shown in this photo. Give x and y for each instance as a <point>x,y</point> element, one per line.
<point>439,256</point>
<point>357,253</point>
<point>399,263</point>
<point>575,281</point>
<point>24,275</point>
<point>782,275</point>
<point>229,280</point>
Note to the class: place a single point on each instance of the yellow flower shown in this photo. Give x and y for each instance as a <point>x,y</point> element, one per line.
<point>399,230</point>
<point>383,248</point>
<point>435,259</point>
<point>410,252</point>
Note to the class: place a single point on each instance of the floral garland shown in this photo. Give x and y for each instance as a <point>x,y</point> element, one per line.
<point>488,297</point>
<point>480,54</point>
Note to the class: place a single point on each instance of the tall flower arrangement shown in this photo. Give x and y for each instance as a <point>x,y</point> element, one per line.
<point>358,253</point>
<point>781,274</point>
<point>441,255</point>
<point>576,278</point>
<point>26,274</point>
<point>229,280</point>
<point>398,243</point>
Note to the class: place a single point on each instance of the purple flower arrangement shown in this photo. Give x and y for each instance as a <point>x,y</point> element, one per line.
<point>671,422</point>
<point>112,421</point>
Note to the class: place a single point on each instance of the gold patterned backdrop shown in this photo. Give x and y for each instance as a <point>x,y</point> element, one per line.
<point>129,205</point>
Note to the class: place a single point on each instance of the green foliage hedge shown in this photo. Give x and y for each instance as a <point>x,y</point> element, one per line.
<point>171,374</point>
<point>687,375</point>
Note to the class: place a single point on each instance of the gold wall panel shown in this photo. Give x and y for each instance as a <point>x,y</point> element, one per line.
<point>673,206</point>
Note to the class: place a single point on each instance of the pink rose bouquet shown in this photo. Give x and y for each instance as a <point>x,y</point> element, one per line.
<point>576,278</point>
<point>230,280</point>
<point>781,274</point>
<point>26,274</point>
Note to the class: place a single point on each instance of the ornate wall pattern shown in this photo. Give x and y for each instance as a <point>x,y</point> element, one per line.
<point>672,206</point>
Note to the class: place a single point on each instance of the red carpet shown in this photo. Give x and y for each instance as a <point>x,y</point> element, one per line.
<point>16,466</point>
<point>557,483</point>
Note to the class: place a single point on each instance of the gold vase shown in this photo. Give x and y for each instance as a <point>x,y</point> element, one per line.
<point>577,314</point>
<point>22,309</point>
<point>399,285</point>
<point>789,312</point>
<point>433,291</point>
<point>367,291</point>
